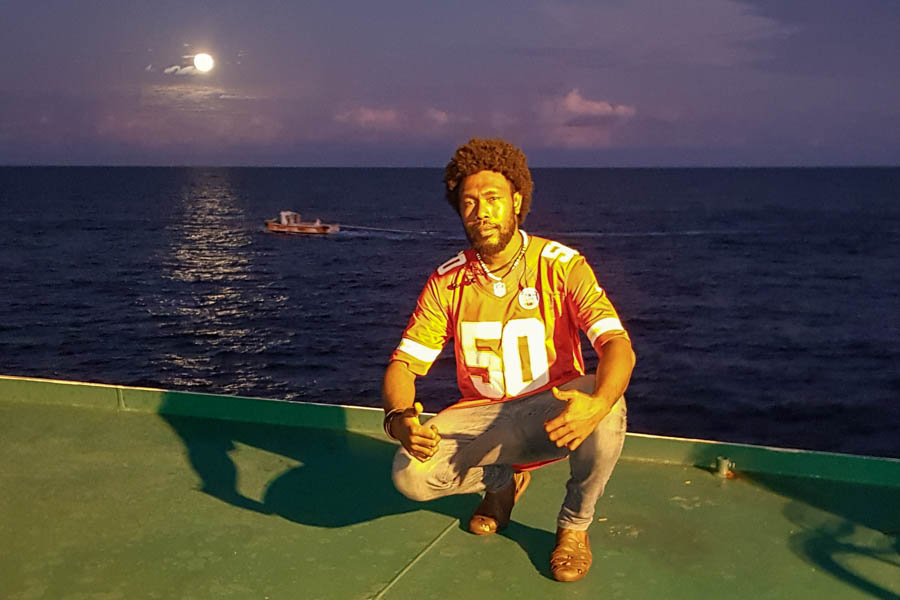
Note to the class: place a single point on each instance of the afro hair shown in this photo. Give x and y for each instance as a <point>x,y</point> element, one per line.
<point>489,155</point>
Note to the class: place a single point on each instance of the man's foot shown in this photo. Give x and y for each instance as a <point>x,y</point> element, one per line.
<point>493,513</point>
<point>571,559</point>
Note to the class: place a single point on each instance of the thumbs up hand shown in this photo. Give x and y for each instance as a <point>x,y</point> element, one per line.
<point>420,441</point>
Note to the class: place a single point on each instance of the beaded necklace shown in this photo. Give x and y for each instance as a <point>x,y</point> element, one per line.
<point>500,287</point>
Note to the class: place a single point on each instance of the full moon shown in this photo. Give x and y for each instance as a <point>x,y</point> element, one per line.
<point>203,62</point>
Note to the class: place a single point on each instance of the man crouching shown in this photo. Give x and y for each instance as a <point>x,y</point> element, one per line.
<point>513,304</point>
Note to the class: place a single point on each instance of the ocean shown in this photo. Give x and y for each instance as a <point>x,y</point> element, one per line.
<point>762,303</point>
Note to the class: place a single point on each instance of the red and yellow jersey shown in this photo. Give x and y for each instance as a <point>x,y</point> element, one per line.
<point>513,344</point>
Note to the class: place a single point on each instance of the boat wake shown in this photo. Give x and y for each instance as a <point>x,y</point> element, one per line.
<point>385,230</point>
<point>686,233</point>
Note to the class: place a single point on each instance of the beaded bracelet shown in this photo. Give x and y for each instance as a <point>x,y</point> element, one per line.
<point>387,421</point>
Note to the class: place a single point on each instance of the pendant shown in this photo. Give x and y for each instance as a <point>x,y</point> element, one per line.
<point>499,289</point>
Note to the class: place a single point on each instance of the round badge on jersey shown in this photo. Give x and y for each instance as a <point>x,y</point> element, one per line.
<point>528,298</point>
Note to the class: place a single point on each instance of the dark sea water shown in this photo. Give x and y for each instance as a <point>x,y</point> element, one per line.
<point>762,303</point>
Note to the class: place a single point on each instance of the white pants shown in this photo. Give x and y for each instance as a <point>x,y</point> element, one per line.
<point>480,446</point>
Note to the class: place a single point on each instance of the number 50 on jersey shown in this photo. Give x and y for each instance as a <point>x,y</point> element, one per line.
<point>515,366</point>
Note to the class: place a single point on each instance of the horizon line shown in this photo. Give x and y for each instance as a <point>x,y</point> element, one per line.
<point>537,166</point>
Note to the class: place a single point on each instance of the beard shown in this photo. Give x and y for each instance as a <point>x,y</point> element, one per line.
<point>483,244</point>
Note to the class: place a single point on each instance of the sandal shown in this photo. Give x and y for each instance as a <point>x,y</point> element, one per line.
<point>571,559</point>
<point>493,513</point>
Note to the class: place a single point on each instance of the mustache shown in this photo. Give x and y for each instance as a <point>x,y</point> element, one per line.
<point>484,225</point>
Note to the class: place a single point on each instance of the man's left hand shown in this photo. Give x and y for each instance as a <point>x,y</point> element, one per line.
<point>577,420</point>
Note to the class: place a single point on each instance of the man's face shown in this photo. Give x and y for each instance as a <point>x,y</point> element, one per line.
<point>489,210</point>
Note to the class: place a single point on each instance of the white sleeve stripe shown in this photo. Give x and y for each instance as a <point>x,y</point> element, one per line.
<point>602,326</point>
<point>418,351</point>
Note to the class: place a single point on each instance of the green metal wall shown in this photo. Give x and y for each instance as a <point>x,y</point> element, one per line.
<point>640,447</point>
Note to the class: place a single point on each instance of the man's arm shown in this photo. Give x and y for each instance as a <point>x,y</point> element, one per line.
<point>399,388</point>
<point>398,396</point>
<point>584,412</point>
<point>614,369</point>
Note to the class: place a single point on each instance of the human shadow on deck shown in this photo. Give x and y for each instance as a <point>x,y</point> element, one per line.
<point>343,477</point>
<point>537,544</point>
<point>849,530</point>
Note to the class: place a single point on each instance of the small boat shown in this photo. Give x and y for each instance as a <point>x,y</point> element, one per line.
<point>290,222</point>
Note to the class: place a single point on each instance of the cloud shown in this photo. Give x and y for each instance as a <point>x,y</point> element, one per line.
<point>377,119</point>
<point>437,116</point>
<point>442,118</point>
<point>184,96</point>
<point>580,107</point>
<point>161,127</point>
<point>410,123</point>
<point>178,70</point>
<point>573,121</point>
<point>233,96</point>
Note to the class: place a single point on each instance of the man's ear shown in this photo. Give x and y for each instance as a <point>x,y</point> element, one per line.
<point>517,202</point>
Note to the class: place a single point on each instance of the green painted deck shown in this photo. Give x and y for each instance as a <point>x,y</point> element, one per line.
<point>112,492</point>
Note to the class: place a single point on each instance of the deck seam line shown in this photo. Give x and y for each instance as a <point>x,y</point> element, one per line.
<point>416,559</point>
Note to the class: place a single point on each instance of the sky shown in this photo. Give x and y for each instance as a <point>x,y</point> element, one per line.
<point>599,83</point>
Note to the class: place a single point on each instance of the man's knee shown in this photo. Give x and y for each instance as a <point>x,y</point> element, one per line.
<point>606,442</point>
<point>616,421</point>
<point>412,478</point>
